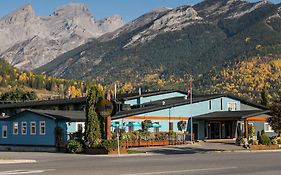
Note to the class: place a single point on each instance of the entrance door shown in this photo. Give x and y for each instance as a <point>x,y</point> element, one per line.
<point>195,131</point>
<point>215,130</point>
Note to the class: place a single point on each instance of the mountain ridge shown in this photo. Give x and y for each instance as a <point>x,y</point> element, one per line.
<point>68,27</point>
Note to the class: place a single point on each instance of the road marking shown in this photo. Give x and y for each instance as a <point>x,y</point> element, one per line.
<point>183,171</point>
<point>14,172</point>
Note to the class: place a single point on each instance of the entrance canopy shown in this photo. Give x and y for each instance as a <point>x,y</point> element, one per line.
<point>234,115</point>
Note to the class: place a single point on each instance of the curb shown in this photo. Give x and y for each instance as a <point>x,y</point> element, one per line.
<point>252,151</point>
<point>18,161</point>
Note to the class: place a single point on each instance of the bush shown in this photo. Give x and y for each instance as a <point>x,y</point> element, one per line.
<point>278,141</point>
<point>74,146</point>
<point>109,144</point>
<point>264,139</point>
<point>274,141</point>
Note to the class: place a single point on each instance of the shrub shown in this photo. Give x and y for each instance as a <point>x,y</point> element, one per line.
<point>274,141</point>
<point>74,146</point>
<point>279,141</point>
<point>264,139</point>
<point>109,144</point>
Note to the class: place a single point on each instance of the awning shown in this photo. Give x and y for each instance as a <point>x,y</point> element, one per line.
<point>133,124</point>
<point>115,124</point>
<point>230,115</point>
<point>154,125</point>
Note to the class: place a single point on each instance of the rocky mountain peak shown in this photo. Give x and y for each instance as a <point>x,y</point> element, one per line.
<point>72,9</point>
<point>32,41</point>
<point>21,15</point>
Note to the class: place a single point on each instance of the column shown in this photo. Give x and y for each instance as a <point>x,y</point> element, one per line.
<point>246,134</point>
<point>108,126</point>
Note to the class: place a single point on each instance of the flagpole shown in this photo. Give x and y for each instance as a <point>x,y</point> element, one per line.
<point>191,124</point>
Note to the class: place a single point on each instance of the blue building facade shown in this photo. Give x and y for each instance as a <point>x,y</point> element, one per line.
<point>213,117</point>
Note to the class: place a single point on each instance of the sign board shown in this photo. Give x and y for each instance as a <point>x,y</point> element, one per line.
<point>104,108</point>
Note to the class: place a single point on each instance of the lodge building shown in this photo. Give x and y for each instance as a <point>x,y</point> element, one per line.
<point>35,123</point>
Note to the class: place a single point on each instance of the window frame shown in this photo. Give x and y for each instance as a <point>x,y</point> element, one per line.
<point>171,126</point>
<point>40,128</point>
<point>31,133</point>
<point>23,133</point>
<point>269,127</point>
<point>4,129</point>
<point>15,128</point>
<point>229,108</point>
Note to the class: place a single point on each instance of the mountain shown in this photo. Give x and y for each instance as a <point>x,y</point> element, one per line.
<point>166,46</point>
<point>32,41</point>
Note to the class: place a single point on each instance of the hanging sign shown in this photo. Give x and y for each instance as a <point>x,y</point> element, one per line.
<point>104,108</point>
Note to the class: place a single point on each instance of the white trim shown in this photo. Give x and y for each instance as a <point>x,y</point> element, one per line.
<point>83,126</point>
<point>22,133</point>
<point>40,128</point>
<point>269,127</point>
<point>31,133</point>
<point>4,128</point>
<point>15,128</point>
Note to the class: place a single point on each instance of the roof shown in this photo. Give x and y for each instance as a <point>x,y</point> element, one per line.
<point>34,103</point>
<point>147,94</point>
<point>77,116</point>
<point>178,101</point>
<point>231,114</point>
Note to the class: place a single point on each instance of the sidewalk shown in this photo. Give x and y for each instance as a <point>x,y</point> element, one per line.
<point>198,147</point>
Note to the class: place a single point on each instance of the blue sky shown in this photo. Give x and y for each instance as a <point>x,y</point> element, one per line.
<point>128,9</point>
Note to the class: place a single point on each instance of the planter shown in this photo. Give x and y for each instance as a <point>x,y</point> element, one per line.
<point>104,151</point>
<point>263,147</point>
<point>143,143</point>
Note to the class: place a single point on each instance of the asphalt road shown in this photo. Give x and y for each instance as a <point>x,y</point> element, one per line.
<point>167,164</point>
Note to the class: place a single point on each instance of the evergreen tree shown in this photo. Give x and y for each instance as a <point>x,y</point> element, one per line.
<point>264,97</point>
<point>92,124</point>
<point>275,120</point>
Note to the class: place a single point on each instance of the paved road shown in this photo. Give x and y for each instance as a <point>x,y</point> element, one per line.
<point>169,164</point>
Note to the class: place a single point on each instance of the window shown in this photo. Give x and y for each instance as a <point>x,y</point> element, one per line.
<point>15,128</point>
<point>210,105</point>
<point>80,127</point>
<point>157,128</point>
<point>232,106</point>
<point>267,128</point>
<point>171,124</point>
<point>42,128</point>
<point>23,128</point>
<point>4,132</point>
<point>242,126</point>
<point>32,128</point>
<point>130,126</point>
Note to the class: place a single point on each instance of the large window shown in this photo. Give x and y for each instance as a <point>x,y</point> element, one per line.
<point>232,106</point>
<point>23,128</point>
<point>32,128</point>
<point>15,128</point>
<point>267,128</point>
<point>42,128</point>
<point>4,132</point>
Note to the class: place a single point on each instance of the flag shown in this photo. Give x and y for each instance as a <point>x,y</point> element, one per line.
<point>189,87</point>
